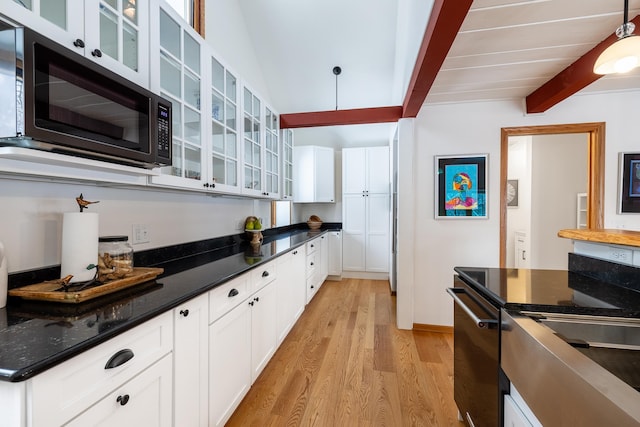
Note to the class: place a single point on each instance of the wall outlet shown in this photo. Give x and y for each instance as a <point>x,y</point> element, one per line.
<point>141,234</point>
<point>623,256</point>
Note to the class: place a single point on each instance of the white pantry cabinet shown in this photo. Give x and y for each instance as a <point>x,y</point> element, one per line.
<point>313,176</point>
<point>191,362</point>
<point>366,209</point>
<point>112,33</point>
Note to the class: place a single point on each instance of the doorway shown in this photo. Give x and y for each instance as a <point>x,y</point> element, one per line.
<point>595,171</point>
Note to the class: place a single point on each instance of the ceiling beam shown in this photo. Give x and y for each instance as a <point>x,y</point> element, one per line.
<point>341,117</point>
<point>570,80</point>
<point>444,23</point>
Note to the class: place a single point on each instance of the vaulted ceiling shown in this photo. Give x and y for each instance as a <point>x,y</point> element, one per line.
<point>497,49</point>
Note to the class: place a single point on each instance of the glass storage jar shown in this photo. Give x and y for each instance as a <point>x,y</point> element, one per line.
<point>115,258</point>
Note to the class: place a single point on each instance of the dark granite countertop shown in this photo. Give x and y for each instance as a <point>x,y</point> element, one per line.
<point>590,286</point>
<point>35,336</point>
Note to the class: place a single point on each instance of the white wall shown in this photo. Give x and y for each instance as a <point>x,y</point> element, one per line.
<point>475,128</point>
<point>31,217</point>
<point>226,32</point>
<point>519,218</point>
<point>559,173</point>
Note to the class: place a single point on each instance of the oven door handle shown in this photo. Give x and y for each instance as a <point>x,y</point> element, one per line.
<point>480,323</point>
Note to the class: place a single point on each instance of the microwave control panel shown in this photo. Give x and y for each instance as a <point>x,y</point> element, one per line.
<point>164,131</point>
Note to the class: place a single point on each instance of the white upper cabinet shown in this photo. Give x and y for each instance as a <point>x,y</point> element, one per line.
<point>287,165</point>
<point>367,171</point>
<point>313,178</point>
<point>112,33</point>
<point>177,75</point>
<point>224,163</point>
<point>261,148</point>
<point>272,154</point>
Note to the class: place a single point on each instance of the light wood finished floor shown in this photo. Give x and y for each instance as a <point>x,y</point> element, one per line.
<point>346,364</point>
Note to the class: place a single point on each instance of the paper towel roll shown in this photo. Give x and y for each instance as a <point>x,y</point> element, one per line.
<point>79,245</point>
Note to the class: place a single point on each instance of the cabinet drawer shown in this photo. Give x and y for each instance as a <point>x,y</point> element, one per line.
<point>66,390</point>
<point>143,401</point>
<point>312,246</point>
<point>225,297</point>
<point>263,275</point>
<point>312,265</point>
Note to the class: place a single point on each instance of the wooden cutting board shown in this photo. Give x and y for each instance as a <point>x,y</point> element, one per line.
<point>47,291</point>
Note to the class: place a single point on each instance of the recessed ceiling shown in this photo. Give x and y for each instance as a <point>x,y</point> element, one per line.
<point>505,49</point>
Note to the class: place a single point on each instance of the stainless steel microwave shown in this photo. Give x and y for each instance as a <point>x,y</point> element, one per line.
<point>56,100</point>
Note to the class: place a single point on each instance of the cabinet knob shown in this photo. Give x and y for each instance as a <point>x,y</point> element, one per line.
<point>312,286</point>
<point>185,313</point>
<point>256,299</point>
<point>311,263</point>
<point>295,252</point>
<point>120,358</point>
<point>123,400</point>
<point>233,292</point>
<point>97,53</point>
<point>265,274</point>
<point>251,303</point>
<point>78,43</point>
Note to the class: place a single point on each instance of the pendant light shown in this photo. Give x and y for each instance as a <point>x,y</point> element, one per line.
<point>337,70</point>
<point>623,55</point>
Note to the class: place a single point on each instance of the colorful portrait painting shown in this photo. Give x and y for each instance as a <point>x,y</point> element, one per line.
<point>461,187</point>
<point>629,184</point>
<point>462,192</point>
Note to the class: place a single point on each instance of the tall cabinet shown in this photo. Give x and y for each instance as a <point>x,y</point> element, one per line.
<point>366,209</point>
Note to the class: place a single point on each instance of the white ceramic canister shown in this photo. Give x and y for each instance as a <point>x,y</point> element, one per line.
<point>3,276</point>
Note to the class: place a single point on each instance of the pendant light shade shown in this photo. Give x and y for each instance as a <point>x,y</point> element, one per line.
<point>624,54</point>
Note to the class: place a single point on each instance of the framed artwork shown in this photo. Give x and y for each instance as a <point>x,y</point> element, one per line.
<point>629,195</point>
<point>512,193</point>
<point>461,186</point>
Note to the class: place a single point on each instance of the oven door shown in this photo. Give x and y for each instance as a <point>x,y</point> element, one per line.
<point>476,357</point>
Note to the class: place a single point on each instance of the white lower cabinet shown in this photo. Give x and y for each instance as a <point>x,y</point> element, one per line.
<point>241,342</point>
<point>97,381</point>
<point>291,291</point>
<point>145,400</point>
<point>263,328</point>
<point>190,366</point>
<point>317,269</point>
<point>335,253</point>
<point>191,362</point>
<point>229,362</point>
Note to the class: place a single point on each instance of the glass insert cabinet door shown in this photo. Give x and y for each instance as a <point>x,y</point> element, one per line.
<point>287,164</point>
<point>224,128</point>
<point>122,42</point>
<point>180,82</point>
<point>272,153</point>
<point>252,144</point>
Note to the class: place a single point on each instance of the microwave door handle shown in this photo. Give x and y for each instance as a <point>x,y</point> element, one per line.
<point>480,323</point>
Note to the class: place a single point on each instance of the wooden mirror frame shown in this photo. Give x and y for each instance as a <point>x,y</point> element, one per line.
<point>595,173</point>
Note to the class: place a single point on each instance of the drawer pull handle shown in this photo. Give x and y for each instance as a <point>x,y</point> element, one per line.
<point>78,43</point>
<point>120,358</point>
<point>233,292</point>
<point>185,313</point>
<point>265,274</point>
<point>123,400</point>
